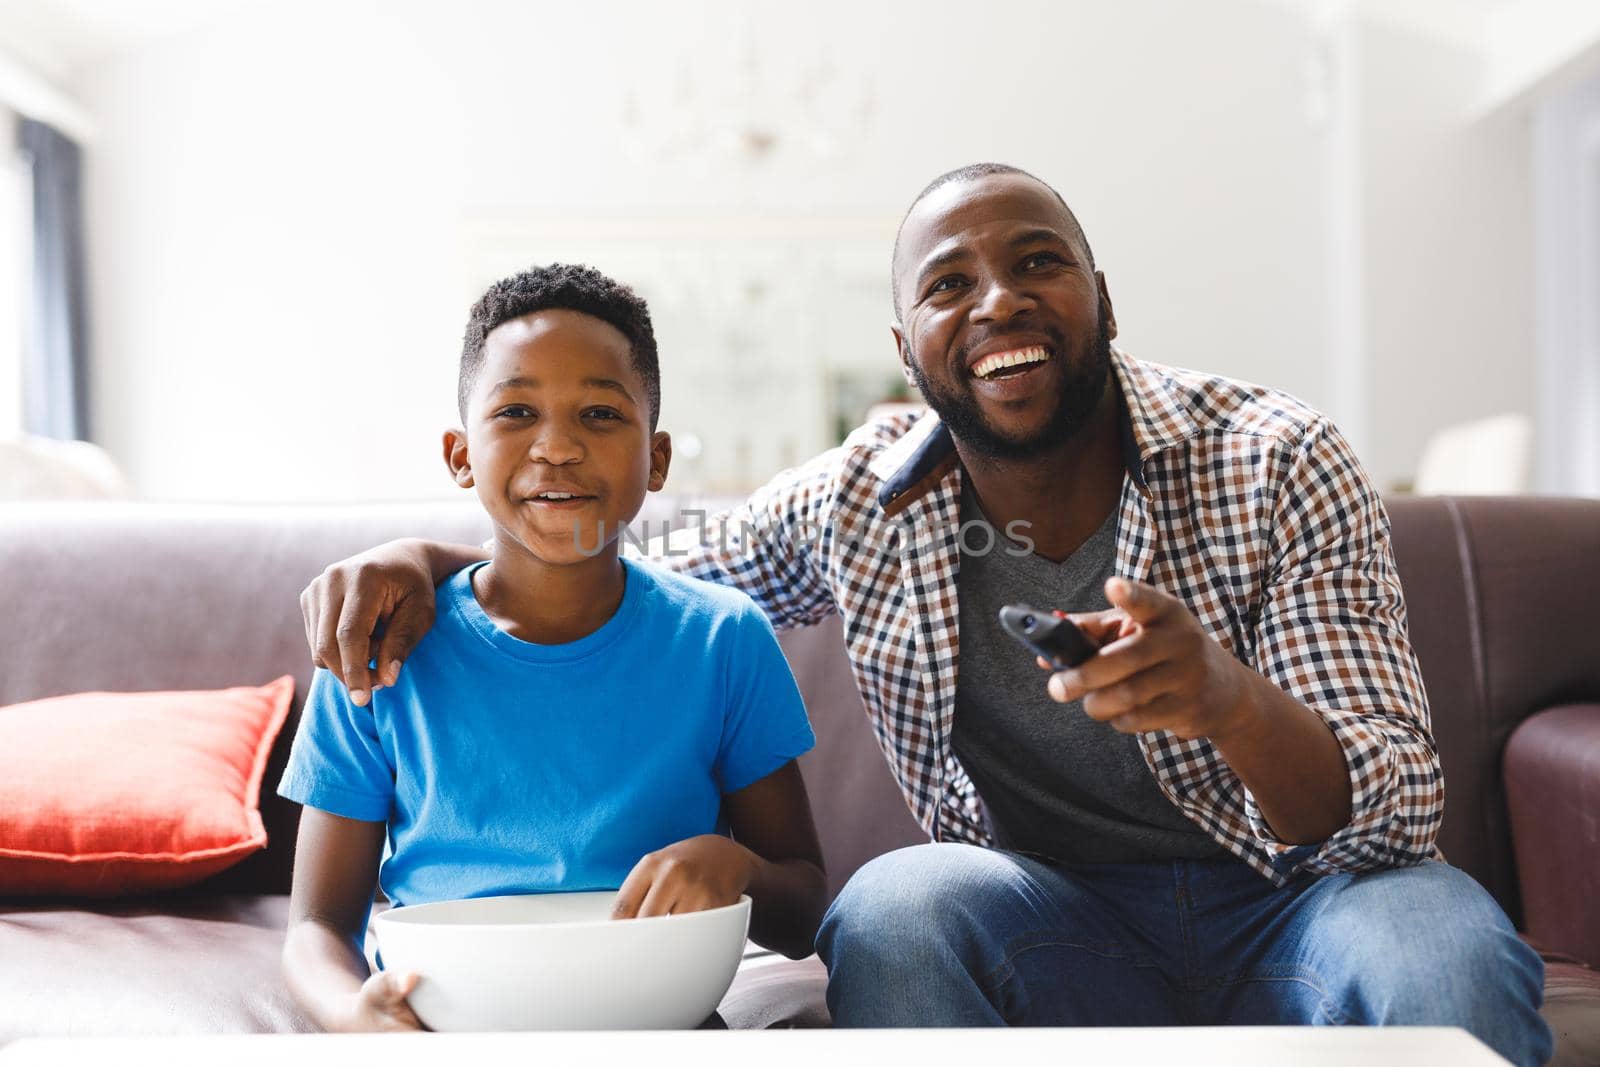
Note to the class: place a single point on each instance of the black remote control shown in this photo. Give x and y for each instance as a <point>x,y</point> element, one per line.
<point>1048,634</point>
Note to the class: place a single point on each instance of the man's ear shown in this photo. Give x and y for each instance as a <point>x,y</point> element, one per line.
<point>903,350</point>
<point>456,458</point>
<point>660,459</point>
<point>1105,304</point>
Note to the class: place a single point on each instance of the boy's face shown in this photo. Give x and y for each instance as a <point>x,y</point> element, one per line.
<point>557,440</point>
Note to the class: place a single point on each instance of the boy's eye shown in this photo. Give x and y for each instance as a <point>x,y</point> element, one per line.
<point>514,411</point>
<point>603,414</point>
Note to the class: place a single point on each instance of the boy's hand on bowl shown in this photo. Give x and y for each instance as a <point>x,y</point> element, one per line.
<point>709,871</point>
<point>381,1004</point>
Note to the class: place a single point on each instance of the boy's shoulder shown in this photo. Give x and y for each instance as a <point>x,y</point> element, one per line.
<point>693,599</point>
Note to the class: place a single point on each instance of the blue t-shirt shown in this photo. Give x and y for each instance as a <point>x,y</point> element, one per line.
<point>502,766</point>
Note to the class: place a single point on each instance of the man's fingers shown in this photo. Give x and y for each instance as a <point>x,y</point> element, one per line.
<point>1134,693</point>
<point>1162,713</point>
<point>308,619</point>
<point>324,624</point>
<point>357,621</point>
<point>1100,627</point>
<point>1119,660</point>
<point>411,618</point>
<point>1143,603</point>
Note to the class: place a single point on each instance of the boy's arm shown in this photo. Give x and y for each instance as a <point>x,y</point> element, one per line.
<point>771,819</point>
<point>336,863</point>
<point>774,856</point>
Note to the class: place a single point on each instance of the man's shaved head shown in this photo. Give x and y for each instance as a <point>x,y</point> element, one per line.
<point>972,172</point>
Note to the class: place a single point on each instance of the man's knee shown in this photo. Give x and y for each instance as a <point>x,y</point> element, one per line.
<point>1446,973</point>
<point>913,901</point>
<point>911,934</point>
<point>1393,926</point>
<point>1429,946</point>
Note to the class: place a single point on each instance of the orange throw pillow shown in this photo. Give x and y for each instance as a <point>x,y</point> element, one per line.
<point>103,794</point>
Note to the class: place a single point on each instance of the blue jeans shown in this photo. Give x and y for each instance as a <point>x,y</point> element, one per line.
<point>953,935</point>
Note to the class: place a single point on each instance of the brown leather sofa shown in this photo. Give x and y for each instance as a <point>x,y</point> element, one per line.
<point>1502,594</point>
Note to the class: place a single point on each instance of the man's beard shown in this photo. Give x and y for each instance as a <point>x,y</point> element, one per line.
<point>1080,393</point>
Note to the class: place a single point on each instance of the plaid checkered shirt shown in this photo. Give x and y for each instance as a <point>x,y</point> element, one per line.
<point>1241,501</point>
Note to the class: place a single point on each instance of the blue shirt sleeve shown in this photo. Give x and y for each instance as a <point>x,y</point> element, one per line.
<point>764,724</point>
<point>337,763</point>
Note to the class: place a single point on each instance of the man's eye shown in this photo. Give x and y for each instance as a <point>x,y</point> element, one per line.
<point>1040,259</point>
<point>944,285</point>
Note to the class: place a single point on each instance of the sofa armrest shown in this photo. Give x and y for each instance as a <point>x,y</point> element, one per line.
<point>1552,769</point>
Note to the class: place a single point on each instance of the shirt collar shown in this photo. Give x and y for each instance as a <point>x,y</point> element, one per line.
<point>1152,421</point>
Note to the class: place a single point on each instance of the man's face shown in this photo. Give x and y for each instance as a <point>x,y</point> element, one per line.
<point>1005,327</point>
<point>558,442</point>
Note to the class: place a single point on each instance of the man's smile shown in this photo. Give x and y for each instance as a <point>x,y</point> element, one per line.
<point>1010,362</point>
<point>1019,382</point>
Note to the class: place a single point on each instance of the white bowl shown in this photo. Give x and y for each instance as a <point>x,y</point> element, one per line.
<point>557,961</point>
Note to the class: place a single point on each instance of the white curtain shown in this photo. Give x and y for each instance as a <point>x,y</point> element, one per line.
<point>1566,139</point>
<point>55,361</point>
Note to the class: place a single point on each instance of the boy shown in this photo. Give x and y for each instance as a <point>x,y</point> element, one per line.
<point>570,711</point>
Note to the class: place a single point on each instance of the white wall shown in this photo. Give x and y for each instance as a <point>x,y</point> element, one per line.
<point>1446,224</point>
<point>293,205</point>
<point>1539,44</point>
<point>278,201</point>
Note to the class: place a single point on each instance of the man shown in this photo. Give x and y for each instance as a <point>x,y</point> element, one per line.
<point>1233,818</point>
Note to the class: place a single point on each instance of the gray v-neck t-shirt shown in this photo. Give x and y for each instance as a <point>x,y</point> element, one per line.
<point>1054,782</point>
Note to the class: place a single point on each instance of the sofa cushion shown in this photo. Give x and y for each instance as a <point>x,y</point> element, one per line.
<point>189,964</point>
<point>104,794</point>
<point>1572,1008</point>
<point>185,963</point>
<point>169,964</point>
<point>772,993</point>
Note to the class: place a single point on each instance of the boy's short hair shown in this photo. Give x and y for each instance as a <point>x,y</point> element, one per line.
<point>569,287</point>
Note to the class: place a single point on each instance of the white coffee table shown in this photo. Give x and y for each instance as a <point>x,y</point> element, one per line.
<point>1214,1046</point>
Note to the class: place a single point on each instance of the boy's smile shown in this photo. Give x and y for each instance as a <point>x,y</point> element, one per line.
<point>557,440</point>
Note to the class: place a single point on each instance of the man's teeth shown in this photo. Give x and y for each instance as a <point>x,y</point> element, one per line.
<point>996,361</point>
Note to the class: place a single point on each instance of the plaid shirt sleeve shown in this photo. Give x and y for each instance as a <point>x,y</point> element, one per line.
<point>771,546</point>
<point>1332,634</point>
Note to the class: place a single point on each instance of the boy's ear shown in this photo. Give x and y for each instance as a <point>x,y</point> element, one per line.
<point>660,459</point>
<point>456,458</point>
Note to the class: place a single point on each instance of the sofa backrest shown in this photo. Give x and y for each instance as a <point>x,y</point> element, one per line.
<point>1503,595</point>
<point>140,596</point>
<point>124,597</point>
